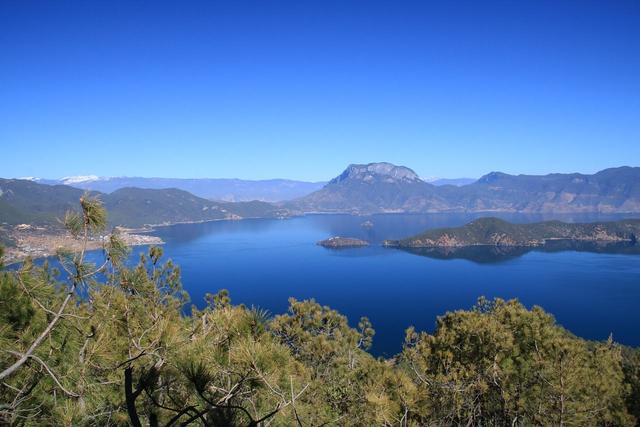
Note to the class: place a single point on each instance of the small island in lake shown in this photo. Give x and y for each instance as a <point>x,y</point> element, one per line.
<point>343,242</point>
<point>497,232</point>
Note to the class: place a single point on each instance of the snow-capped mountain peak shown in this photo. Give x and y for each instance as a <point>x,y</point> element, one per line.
<point>68,180</point>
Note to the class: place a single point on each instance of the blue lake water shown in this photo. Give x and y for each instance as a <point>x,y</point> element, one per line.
<point>592,290</point>
<point>264,262</point>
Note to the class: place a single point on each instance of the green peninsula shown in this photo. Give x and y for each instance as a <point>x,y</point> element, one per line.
<point>497,232</point>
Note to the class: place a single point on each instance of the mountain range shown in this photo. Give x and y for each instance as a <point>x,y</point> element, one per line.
<point>222,189</point>
<point>386,188</point>
<point>360,189</point>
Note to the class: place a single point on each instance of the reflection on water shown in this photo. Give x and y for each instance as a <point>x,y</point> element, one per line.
<point>479,254</point>
<point>373,228</point>
<point>184,233</point>
<point>493,254</point>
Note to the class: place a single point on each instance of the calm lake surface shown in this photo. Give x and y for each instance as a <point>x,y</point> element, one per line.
<point>264,262</point>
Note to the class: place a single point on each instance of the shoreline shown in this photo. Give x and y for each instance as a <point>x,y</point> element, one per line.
<point>393,244</point>
<point>42,242</point>
<point>148,228</point>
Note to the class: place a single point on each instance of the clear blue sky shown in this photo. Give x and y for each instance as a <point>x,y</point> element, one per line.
<point>300,89</point>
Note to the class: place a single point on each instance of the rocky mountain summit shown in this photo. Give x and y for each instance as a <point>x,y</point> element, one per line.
<point>371,188</point>
<point>377,172</point>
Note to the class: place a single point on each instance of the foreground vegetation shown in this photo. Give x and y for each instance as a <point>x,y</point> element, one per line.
<point>110,345</point>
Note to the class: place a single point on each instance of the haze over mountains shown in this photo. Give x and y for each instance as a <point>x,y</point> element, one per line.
<point>221,189</point>
<point>360,189</point>
<point>230,190</point>
<point>458,182</point>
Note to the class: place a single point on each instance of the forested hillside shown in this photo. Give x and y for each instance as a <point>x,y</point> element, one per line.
<point>111,345</point>
<point>23,201</point>
<point>497,232</point>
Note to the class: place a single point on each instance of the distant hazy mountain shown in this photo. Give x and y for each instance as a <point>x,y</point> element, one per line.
<point>24,201</point>
<point>232,190</point>
<point>383,187</point>
<point>458,182</point>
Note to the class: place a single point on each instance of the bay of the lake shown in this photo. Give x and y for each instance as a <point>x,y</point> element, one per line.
<point>262,262</point>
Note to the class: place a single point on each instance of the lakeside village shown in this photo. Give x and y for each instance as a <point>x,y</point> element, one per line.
<point>26,240</point>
